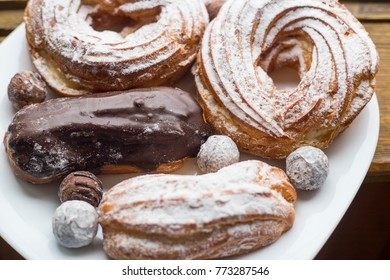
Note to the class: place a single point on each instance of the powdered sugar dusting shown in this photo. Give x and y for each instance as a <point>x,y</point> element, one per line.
<point>63,30</point>
<point>307,168</point>
<point>217,152</point>
<point>170,203</point>
<point>234,211</point>
<point>282,31</point>
<point>50,158</point>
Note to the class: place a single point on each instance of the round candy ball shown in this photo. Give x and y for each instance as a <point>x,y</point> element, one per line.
<point>307,168</point>
<point>217,152</point>
<point>81,185</point>
<point>26,88</point>
<point>75,224</point>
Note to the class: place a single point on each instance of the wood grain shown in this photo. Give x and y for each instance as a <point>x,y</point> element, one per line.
<point>380,33</point>
<point>376,19</point>
<point>369,11</point>
<point>11,15</point>
<point>13,4</point>
<point>9,20</point>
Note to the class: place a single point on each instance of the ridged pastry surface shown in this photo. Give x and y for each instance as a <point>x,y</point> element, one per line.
<point>333,54</point>
<point>74,48</point>
<point>240,208</point>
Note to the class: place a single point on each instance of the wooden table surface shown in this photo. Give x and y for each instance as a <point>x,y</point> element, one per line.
<point>364,220</point>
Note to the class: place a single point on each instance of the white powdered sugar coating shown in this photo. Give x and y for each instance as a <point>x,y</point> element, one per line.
<point>343,58</point>
<point>75,224</point>
<point>217,152</point>
<point>242,207</point>
<point>177,204</point>
<point>71,46</point>
<point>307,168</point>
<point>53,158</point>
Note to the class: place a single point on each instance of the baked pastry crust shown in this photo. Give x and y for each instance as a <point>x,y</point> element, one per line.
<point>213,7</point>
<point>144,130</point>
<point>333,54</point>
<point>155,46</point>
<point>239,209</point>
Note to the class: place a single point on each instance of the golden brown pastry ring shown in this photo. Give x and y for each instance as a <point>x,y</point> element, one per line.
<point>86,46</point>
<point>333,54</point>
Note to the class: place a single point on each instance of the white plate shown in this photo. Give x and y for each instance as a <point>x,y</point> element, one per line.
<point>26,210</point>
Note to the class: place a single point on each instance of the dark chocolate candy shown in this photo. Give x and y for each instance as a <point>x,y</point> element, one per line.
<point>143,128</point>
<point>81,185</point>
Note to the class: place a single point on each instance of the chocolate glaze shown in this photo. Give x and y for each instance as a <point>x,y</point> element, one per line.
<point>143,128</point>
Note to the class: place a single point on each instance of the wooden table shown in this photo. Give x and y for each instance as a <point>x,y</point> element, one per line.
<point>364,232</point>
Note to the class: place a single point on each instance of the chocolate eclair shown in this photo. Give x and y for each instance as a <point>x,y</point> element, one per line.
<point>143,130</point>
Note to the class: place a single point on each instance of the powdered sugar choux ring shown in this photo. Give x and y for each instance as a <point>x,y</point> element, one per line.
<point>86,46</point>
<point>333,54</point>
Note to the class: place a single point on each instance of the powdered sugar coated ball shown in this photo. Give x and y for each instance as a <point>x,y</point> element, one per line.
<point>75,223</point>
<point>217,152</point>
<point>307,168</point>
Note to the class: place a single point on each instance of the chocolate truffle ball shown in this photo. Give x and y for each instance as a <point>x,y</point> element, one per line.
<point>26,88</point>
<point>75,224</point>
<point>217,152</point>
<point>307,168</point>
<point>81,185</point>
